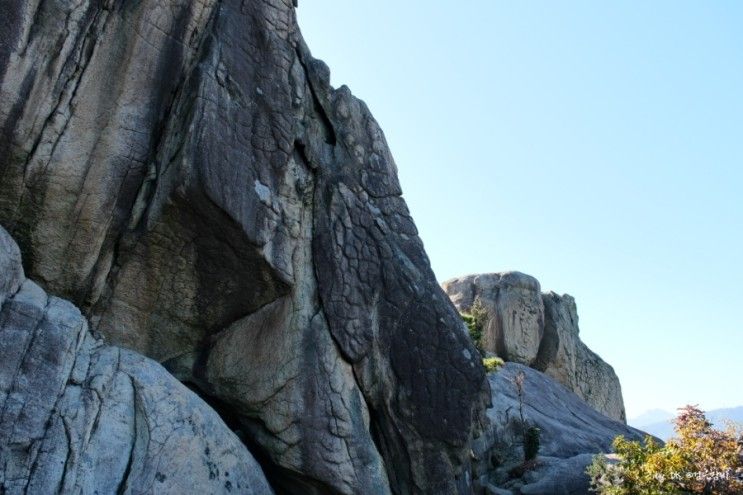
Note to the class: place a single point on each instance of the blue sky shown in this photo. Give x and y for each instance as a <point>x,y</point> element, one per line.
<point>597,146</point>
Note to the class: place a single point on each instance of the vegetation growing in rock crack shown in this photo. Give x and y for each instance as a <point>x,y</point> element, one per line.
<point>700,459</point>
<point>475,319</point>
<point>492,363</point>
<point>531,443</point>
<point>530,432</point>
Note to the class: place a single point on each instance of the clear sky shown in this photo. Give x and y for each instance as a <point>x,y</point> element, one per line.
<point>595,145</point>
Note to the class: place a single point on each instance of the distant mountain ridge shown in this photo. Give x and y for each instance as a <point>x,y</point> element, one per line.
<point>660,423</point>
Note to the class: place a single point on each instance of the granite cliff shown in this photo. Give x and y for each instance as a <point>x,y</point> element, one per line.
<point>184,173</point>
<point>539,330</point>
<point>217,286</point>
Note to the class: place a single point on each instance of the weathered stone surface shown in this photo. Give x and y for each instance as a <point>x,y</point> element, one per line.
<point>79,416</point>
<point>516,313</point>
<point>556,476</point>
<point>494,490</point>
<point>564,357</point>
<point>571,432</point>
<point>184,173</point>
<point>569,426</point>
<point>541,331</point>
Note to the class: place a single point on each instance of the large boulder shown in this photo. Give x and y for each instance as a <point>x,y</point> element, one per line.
<point>513,301</point>
<point>80,416</point>
<point>571,433</point>
<point>539,330</point>
<point>184,173</point>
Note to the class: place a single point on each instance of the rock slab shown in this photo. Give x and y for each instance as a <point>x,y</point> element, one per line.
<point>571,433</point>
<point>80,416</point>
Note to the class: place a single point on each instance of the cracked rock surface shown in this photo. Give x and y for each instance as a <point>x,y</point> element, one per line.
<point>184,173</point>
<point>540,330</point>
<point>79,416</point>
<point>571,433</point>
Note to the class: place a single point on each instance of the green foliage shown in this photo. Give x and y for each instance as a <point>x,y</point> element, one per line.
<point>475,320</point>
<point>492,363</point>
<point>700,459</point>
<point>531,443</point>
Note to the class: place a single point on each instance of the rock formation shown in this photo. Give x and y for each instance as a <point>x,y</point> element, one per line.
<point>539,330</point>
<point>571,434</point>
<point>79,416</point>
<point>568,360</point>
<point>184,173</point>
<point>515,326</point>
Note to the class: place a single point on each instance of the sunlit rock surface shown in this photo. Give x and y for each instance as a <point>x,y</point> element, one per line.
<point>539,330</point>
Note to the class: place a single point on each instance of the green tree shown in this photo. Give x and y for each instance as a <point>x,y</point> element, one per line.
<point>700,459</point>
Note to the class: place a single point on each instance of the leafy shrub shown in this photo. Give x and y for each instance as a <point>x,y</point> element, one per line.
<point>492,363</point>
<point>700,459</point>
<point>531,443</point>
<point>475,320</point>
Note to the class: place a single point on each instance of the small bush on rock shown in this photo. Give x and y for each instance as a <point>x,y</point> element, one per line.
<point>700,459</point>
<point>492,363</point>
<point>531,443</point>
<point>530,432</point>
<point>475,319</point>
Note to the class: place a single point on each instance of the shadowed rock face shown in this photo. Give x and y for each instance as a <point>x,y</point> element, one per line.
<point>539,330</point>
<point>184,172</point>
<point>79,416</point>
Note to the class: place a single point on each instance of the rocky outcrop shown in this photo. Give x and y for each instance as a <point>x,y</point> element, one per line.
<point>571,432</point>
<point>79,416</point>
<point>185,174</point>
<point>568,360</point>
<point>513,300</point>
<point>539,330</point>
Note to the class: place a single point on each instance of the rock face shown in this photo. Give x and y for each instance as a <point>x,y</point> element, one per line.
<point>539,330</point>
<point>571,433</point>
<point>184,173</point>
<point>79,416</point>
<point>514,302</point>
<point>555,476</point>
<point>568,360</point>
